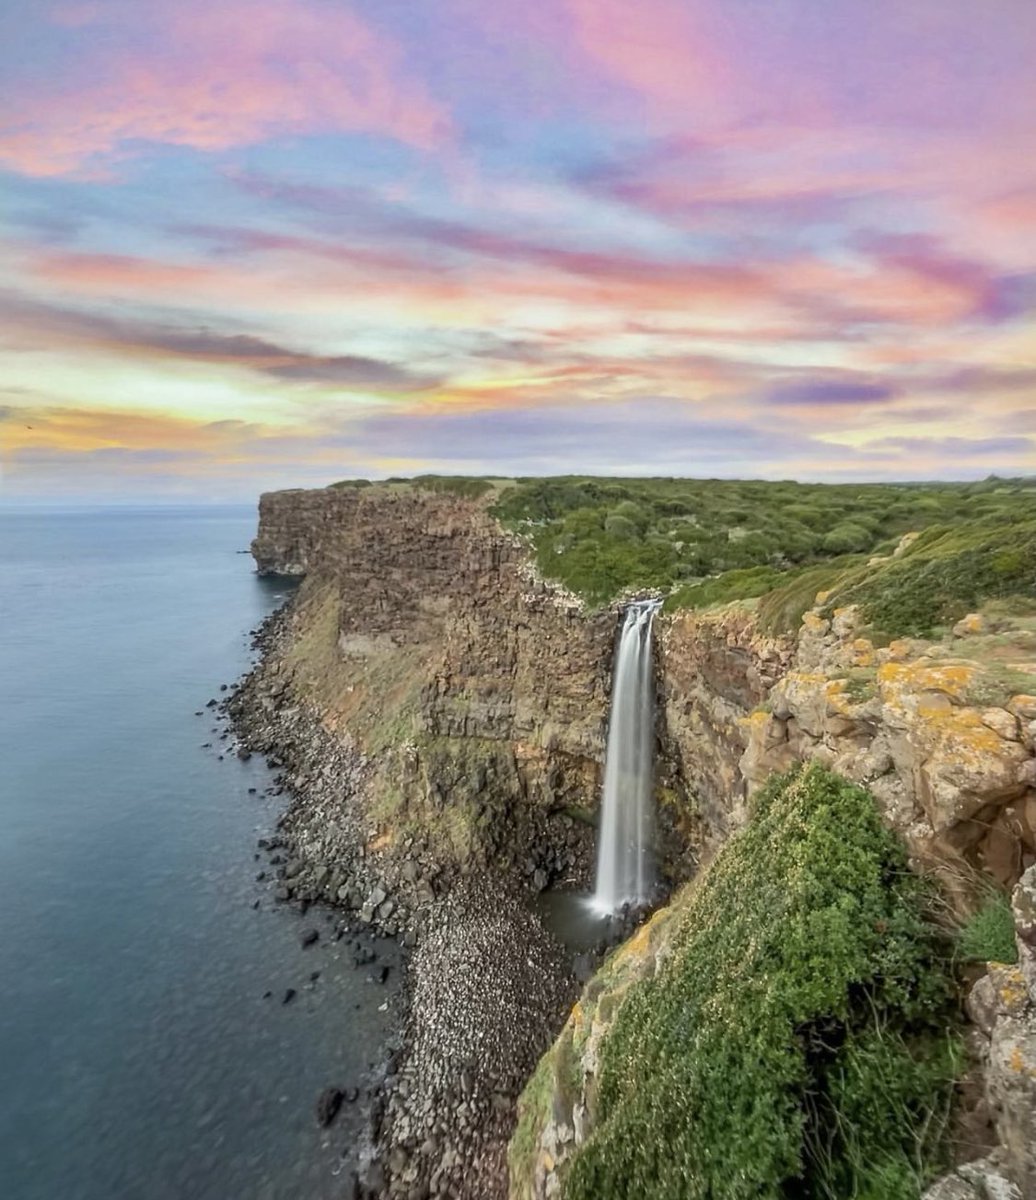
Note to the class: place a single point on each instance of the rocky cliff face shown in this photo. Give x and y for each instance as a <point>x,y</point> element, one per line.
<point>476,695</point>
<point>942,735</point>
<point>447,711</point>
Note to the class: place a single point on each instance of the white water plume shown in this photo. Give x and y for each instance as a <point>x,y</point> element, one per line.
<point>625,872</point>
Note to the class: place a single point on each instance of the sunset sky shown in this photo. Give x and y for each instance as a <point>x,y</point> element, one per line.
<point>264,243</point>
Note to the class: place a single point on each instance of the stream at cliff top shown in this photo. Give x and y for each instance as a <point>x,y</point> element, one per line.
<point>139,1057</point>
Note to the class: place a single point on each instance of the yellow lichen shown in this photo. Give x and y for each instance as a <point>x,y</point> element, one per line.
<point>901,678</point>
<point>863,653</point>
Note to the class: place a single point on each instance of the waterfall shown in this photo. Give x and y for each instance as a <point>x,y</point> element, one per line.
<point>624,866</point>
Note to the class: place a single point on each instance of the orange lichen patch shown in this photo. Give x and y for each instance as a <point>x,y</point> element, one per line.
<point>758,717</point>
<point>1021,1065</point>
<point>1023,705</point>
<point>964,732</point>
<point>814,622</point>
<point>838,700</point>
<point>1011,989</point>
<point>822,597</point>
<point>863,653</point>
<point>382,841</point>
<point>898,679</point>
<point>972,623</point>
<point>547,1161</point>
<point>804,677</point>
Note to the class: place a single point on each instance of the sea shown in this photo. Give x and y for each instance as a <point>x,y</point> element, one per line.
<point>145,1048</point>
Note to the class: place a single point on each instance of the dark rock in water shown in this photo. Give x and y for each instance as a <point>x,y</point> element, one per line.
<point>381,974</point>
<point>267,995</point>
<point>282,893</point>
<point>352,1095</point>
<point>222,687</point>
<point>255,903</point>
<point>244,755</point>
<point>309,936</point>
<point>289,995</point>
<point>252,791</point>
<point>328,1103</point>
<point>200,712</point>
<point>212,704</point>
<point>314,976</point>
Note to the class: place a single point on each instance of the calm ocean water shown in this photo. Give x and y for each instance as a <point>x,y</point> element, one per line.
<point>138,1057</point>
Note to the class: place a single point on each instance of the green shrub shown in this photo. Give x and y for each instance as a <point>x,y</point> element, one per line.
<point>620,527</point>
<point>988,935</point>
<point>799,1040</point>
<point>848,538</point>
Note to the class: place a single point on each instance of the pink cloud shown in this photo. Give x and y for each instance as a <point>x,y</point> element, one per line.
<point>213,76</point>
<point>661,49</point>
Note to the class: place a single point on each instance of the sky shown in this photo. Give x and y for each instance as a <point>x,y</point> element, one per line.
<point>249,244</point>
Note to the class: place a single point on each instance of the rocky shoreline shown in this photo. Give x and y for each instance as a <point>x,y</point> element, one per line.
<point>485,985</point>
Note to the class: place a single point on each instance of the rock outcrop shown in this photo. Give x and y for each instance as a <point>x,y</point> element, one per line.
<point>944,746</point>
<point>1002,1004</point>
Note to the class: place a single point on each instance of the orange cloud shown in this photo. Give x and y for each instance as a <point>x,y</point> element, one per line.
<point>213,76</point>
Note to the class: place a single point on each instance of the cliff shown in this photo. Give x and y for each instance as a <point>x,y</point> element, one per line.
<point>444,710</point>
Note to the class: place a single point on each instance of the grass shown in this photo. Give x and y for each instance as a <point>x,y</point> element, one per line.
<point>949,571</point>
<point>800,1041</point>
<point>995,685</point>
<point>860,684</point>
<point>988,935</point>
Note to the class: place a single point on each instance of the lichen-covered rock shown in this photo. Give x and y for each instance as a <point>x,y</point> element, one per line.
<point>953,773</point>
<point>1023,904</point>
<point>1003,1006</point>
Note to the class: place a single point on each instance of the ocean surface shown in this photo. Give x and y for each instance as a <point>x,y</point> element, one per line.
<point>138,1055</point>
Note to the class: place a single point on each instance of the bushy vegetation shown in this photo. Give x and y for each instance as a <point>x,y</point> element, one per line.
<point>988,935</point>
<point>706,542</point>
<point>949,571</point>
<point>799,1041</point>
